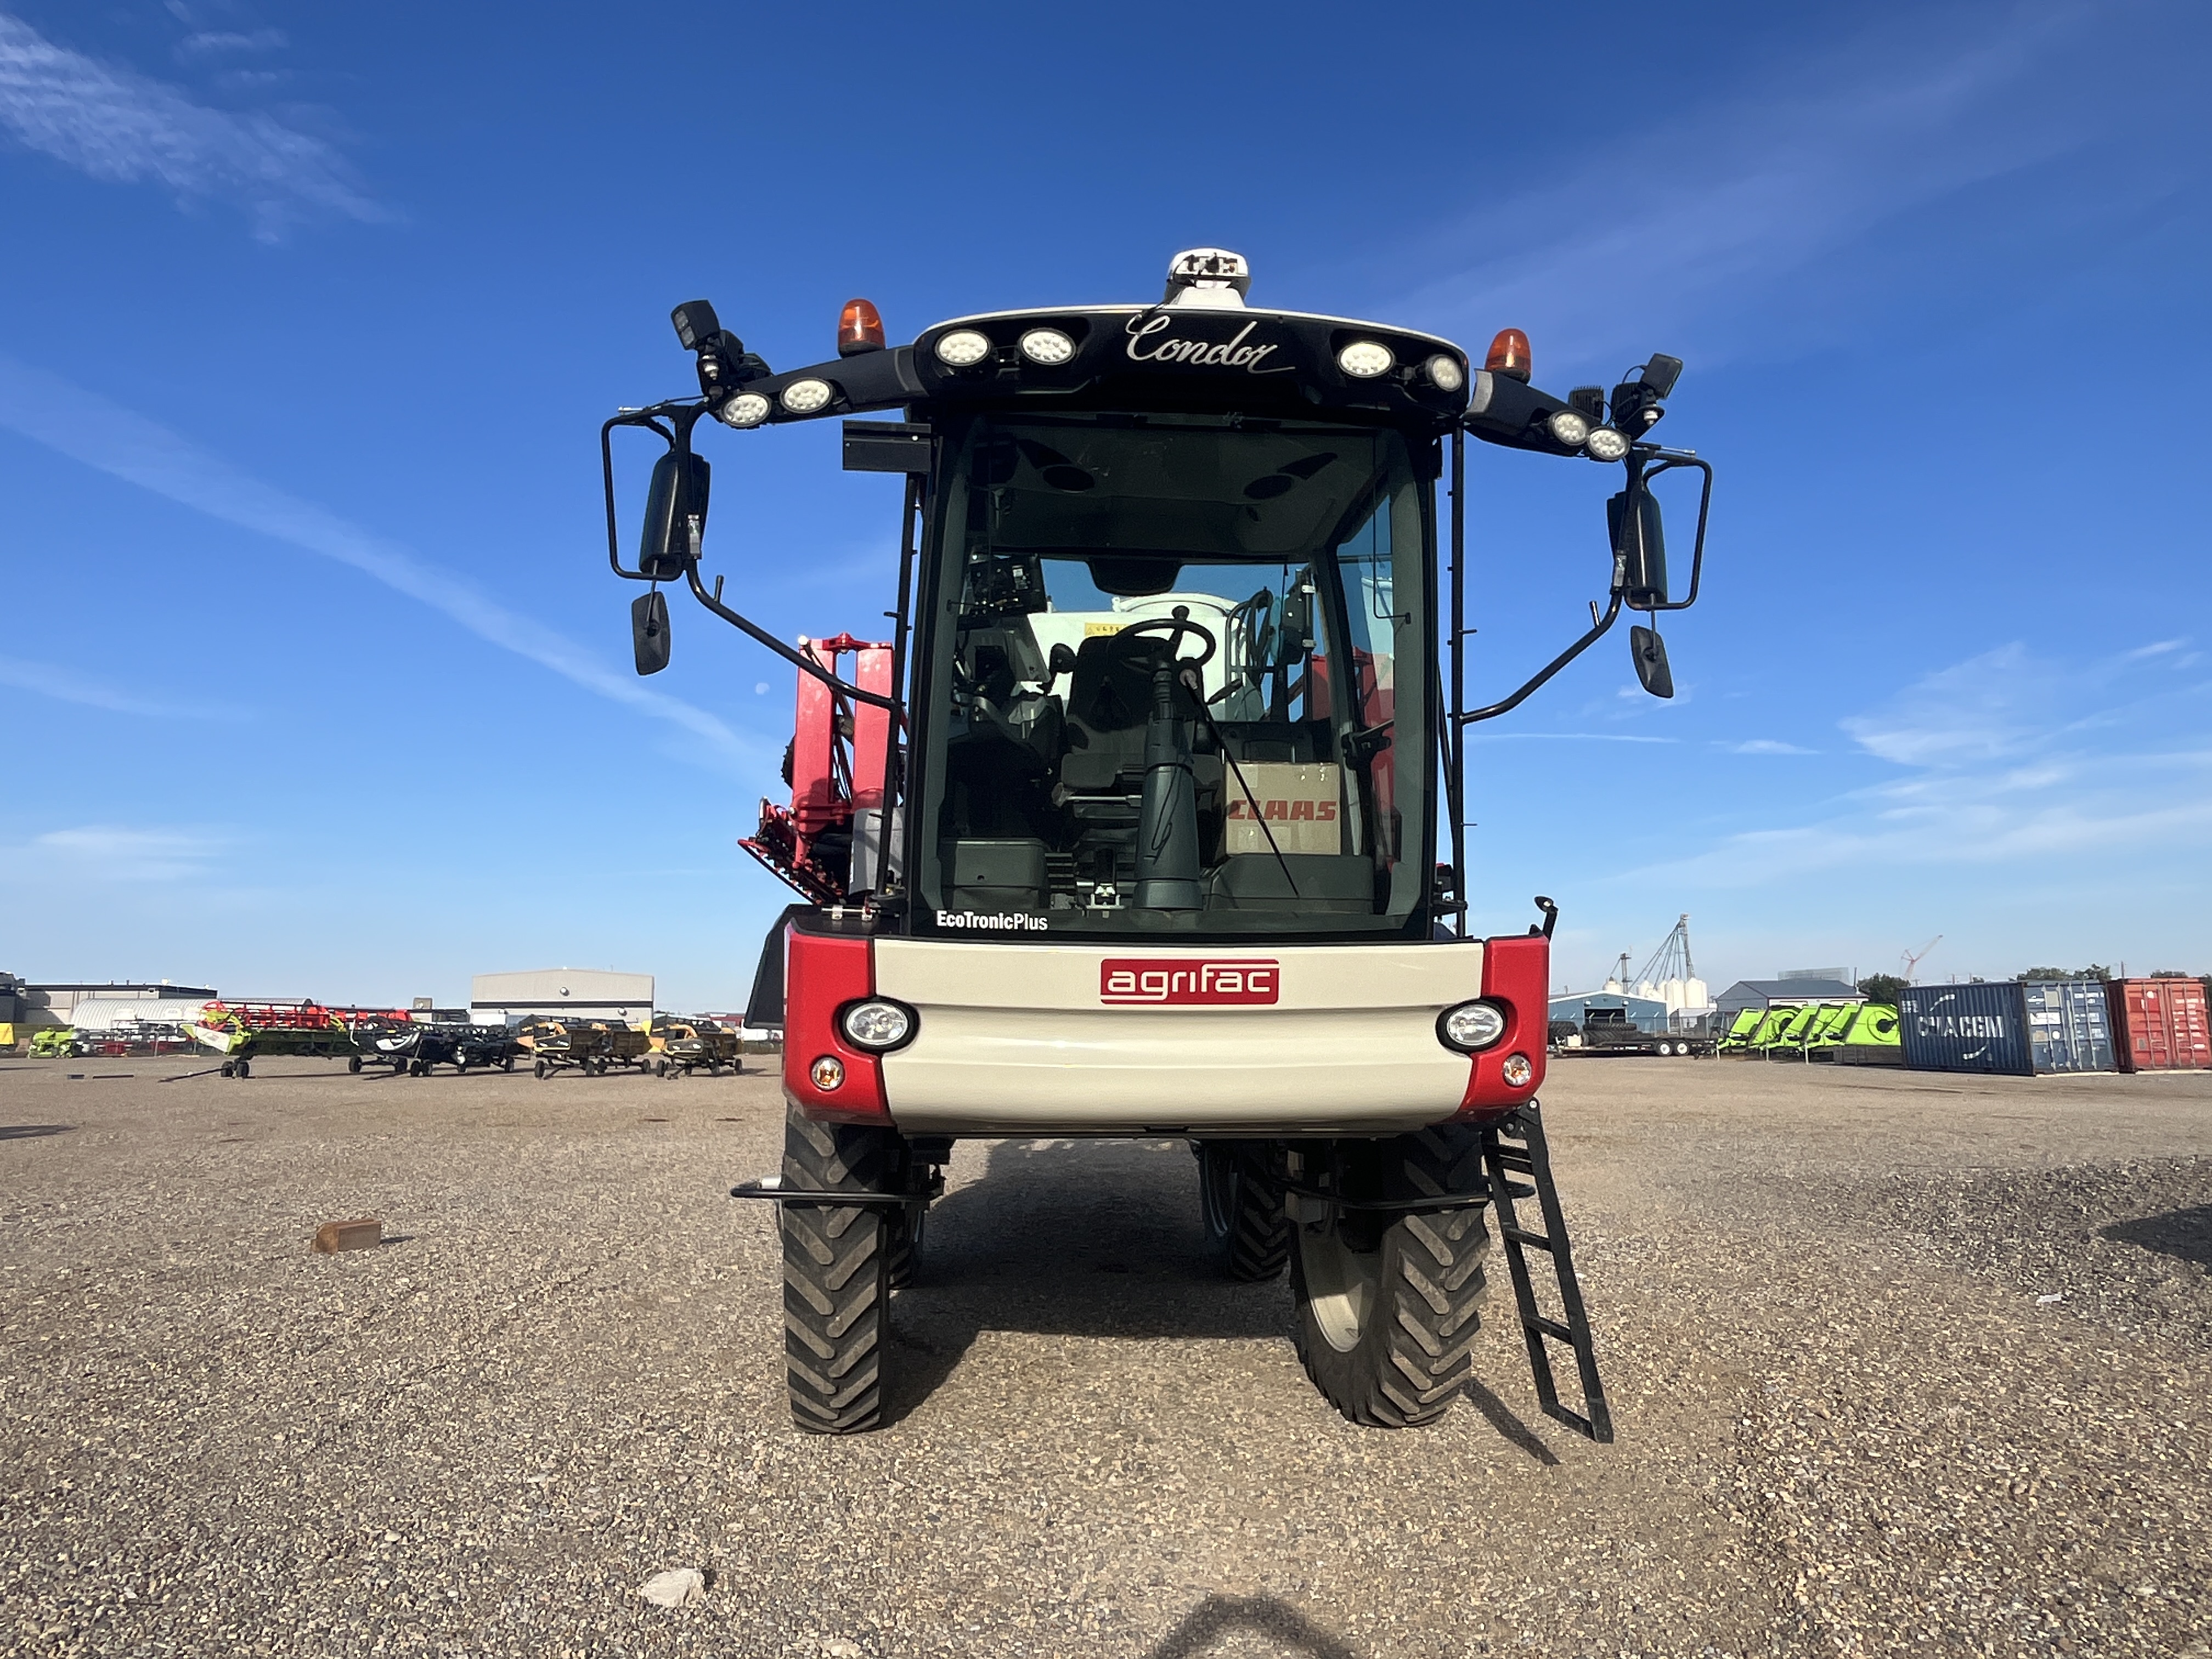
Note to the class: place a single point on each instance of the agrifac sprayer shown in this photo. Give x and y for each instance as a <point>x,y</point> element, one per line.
<point>1133,826</point>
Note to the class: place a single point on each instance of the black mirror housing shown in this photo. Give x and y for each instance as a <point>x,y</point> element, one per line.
<point>648,631</point>
<point>1639,547</point>
<point>1649,653</point>
<point>677,500</point>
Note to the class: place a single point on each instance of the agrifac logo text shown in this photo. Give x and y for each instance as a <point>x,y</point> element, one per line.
<point>1179,982</point>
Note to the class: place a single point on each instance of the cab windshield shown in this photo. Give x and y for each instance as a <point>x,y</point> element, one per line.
<point>1174,664</point>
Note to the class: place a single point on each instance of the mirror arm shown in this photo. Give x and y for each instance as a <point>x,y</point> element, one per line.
<point>805,664</point>
<point>1671,459</point>
<point>684,415</point>
<point>1597,633</point>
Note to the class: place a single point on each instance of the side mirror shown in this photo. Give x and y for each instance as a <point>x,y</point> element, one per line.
<point>1639,547</point>
<point>676,501</point>
<point>1297,619</point>
<point>648,631</point>
<point>1649,653</point>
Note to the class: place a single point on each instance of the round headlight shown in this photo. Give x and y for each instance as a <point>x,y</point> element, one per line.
<point>962,349</point>
<point>877,1024</point>
<point>1517,1070</point>
<point>1472,1025</point>
<point>1606,445</point>
<point>827,1072</point>
<point>1570,426</point>
<point>805,397</point>
<point>1446,373</point>
<point>746,408</point>
<point>1048,346</point>
<point>1363,360</point>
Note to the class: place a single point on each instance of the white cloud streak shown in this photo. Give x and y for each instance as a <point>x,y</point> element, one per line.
<point>88,429</point>
<point>121,127</point>
<point>1722,204</point>
<point>116,852</point>
<point>67,685</point>
<point>1997,774</point>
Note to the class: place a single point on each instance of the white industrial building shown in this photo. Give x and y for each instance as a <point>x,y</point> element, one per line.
<point>570,993</point>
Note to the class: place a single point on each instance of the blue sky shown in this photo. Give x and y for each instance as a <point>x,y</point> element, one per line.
<point>317,683</point>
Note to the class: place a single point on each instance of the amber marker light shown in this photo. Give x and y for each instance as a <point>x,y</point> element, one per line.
<point>1509,356</point>
<point>859,328</point>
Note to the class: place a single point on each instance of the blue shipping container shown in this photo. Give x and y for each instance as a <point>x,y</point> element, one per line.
<point>2020,1028</point>
<point>1965,1028</point>
<point>2069,1024</point>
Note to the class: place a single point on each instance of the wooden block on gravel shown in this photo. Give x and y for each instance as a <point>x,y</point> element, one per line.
<point>335,1236</point>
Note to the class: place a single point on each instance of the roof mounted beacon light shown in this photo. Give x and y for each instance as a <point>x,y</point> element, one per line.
<point>1210,278</point>
<point>859,328</point>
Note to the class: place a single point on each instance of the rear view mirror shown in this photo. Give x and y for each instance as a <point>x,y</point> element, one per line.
<point>1298,618</point>
<point>648,631</point>
<point>1639,547</point>
<point>675,516</point>
<point>1649,652</point>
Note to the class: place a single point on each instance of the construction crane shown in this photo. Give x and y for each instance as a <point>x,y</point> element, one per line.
<point>1911,959</point>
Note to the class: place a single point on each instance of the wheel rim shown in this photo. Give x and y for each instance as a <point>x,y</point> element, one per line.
<point>1342,1281</point>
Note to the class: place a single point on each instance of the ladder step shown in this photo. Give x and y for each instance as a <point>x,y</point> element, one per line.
<point>1551,1327</point>
<point>1514,1189</point>
<point>1523,1235</point>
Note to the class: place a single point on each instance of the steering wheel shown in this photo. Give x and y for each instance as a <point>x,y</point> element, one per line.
<point>1174,627</point>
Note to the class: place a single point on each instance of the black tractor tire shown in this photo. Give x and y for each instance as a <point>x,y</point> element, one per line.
<point>353,1063</point>
<point>836,1273</point>
<point>1387,1302</point>
<point>245,1067</point>
<point>1245,1224</point>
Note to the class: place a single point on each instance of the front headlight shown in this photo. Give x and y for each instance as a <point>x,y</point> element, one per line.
<point>805,397</point>
<point>746,408</point>
<point>1446,373</point>
<point>1571,428</point>
<point>1363,360</point>
<point>1471,1027</point>
<point>1047,347</point>
<point>1606,445</point>
<point>877,1024</point>
<point>964,347</point>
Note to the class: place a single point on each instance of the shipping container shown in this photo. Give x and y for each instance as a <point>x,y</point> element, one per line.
<point>2160,1025</point>
<point>2017,1027</point>
<point>2069,1024</point>
<point>1965,1028</point>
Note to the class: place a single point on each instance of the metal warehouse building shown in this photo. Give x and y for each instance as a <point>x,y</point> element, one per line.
<point>1793,993</point>
<point>577,992</point>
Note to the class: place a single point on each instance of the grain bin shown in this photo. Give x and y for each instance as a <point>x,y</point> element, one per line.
<point>2159,1024</point>
<point>2017,1027</point>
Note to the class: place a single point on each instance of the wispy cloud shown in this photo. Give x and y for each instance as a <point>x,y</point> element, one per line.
<point>1765,746</point>
<point>122,127</point>
<point>216,43</point>
<point>117,853</point>
<point>2002,759</point>
<point>1672,228</point>
<point>67,685</point>
<point>88,429</point>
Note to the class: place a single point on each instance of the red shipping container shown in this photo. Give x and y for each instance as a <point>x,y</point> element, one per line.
<point>2160,1025</point>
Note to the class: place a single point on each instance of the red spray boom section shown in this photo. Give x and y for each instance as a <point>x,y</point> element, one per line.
<point>836,769</point>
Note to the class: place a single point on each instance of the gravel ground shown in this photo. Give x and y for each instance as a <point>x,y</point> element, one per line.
<point>1851,1420</point>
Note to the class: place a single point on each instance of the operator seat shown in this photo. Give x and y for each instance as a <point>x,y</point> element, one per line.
<point>1110,698</point>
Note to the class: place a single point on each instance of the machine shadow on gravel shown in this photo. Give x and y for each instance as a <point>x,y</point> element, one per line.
<point>1221,1616</point>
<point>33,1131</point>
<point>1092,1238</point>
<point>2185,1235</point>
